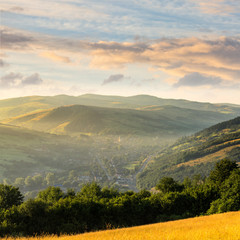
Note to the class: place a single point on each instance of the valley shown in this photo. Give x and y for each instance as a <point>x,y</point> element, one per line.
<point>115,141</point>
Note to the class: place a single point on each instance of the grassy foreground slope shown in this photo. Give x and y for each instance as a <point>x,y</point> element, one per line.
<point>196,154</point>
<point>215,227</point>
<point>166,121</point>
<point>17,106</point>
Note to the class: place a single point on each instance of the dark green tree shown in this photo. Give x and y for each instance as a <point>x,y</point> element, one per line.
<point>222,171</point>
<point>91,190</point>
<point>230,195</point>
<point>9,196</point>
<point>51,194</point>
<point>168,184</point>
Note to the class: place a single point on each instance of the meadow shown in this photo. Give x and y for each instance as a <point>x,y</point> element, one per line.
<point>215,227</point>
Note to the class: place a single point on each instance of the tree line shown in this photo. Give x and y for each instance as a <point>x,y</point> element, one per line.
<point>95,208</point>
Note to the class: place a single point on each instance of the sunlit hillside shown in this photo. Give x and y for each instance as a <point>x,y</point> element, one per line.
<point>17,106</point>
<point>165,121</point>
<point>215,227</point>
<point>195,154</point>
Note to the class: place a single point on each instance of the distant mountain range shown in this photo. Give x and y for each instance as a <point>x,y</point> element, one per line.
<point>17,106</point>
<point>89,113</point>
<point>195,154</point>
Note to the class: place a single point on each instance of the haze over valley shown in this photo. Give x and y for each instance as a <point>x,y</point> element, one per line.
<point>68,141</point>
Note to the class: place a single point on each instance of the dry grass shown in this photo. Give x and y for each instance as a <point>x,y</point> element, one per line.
<point>209,158</point>
<point>215,227</point>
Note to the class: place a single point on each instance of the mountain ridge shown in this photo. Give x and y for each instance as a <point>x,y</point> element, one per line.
<point>16,106</point>
<point>165,120</point>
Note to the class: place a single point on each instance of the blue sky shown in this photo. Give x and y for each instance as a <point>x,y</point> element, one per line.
<point>171,49</point>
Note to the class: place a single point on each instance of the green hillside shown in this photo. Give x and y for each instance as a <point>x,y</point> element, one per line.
<point>164,122</point>
<point>17,106</point>
<point>195,154</point>
<point>26,153</point>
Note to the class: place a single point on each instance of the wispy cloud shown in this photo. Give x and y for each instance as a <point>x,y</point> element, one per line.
<point>3,63</point>
<point>16,80</point>
<point>113,78</point>
<point>219,7</point>
<point>196,79</point>
<point>122,20</point>
<point>51,9</point>
<point>55,57</point>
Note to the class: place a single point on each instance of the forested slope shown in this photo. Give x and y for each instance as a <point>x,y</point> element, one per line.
<point>195,154</point>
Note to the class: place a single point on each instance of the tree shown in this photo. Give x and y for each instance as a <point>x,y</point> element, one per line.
<point>51,194</point>
<point>19,182</point>
<point>9,196</point>
<point>222,171</point>
<point>34,216</point>
<point>230,195</point>
<point>168,184</point>
<point>50,178</point>
<point>28,181</point>
<point>92,190</point>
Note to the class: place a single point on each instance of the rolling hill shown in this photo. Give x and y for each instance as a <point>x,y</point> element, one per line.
<point>164,122</point>
<point>26,152</point>
<point>17,106</point>
<point>195,154</point>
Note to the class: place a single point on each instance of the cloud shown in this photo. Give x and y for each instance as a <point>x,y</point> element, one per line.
<point>219,7</point>
<point>16,9</point>
<point>15,40</point>
<point>34,79</point>
<point>3,63</point>
<point>178,57</point>
<point>11,80</point>
<point>52,9</point>
<point>16,80</point>
<point>113,78</point>
<point>54,57</point>
<point>196,79</point>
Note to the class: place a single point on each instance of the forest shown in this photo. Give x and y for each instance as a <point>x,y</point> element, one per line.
<point>94,208</point>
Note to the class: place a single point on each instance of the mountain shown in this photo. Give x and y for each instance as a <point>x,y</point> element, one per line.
<point>17,106</point>
<point>195,154</point>
<point>164,122</point>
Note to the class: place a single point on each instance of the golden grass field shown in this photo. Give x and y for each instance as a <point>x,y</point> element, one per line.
<point>219,226</point>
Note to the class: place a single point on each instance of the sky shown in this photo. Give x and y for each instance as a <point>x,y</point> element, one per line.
<point>181,49</point>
